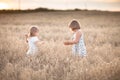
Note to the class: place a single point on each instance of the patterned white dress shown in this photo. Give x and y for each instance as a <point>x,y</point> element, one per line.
<point>80,47</point>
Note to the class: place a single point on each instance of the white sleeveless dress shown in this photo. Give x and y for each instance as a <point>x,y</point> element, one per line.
<point>32,46</point>
<point>80,47</point>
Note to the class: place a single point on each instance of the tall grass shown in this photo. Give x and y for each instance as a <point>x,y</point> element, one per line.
<point>54,60</point>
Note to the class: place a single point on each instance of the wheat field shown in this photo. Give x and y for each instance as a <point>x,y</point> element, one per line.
<point>54,60</point>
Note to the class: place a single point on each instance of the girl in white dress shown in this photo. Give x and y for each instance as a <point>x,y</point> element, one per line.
<point>77,39</point>
<point>32,40</point>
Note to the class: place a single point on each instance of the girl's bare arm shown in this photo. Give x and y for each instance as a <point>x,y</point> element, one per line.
<point>75,41</point>
<point>38,43</point>
<point>26,36</point>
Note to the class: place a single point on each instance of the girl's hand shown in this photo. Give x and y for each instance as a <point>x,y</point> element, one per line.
<point>42,42</point>
<point>66,43</point>
<point>26,35</point>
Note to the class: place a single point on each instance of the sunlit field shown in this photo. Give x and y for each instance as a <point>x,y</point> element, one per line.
<point>54,60</point>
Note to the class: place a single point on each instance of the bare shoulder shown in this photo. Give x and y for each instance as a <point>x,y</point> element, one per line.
<point>79,32</point>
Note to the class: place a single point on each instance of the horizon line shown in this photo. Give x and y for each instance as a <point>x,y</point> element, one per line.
<point>50,9</point>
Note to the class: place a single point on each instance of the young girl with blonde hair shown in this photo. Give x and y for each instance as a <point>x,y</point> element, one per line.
<point>32,40</point>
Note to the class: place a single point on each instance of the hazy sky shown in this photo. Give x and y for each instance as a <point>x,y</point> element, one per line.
<point>112,5</point>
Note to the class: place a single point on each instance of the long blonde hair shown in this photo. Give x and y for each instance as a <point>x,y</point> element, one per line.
<point>33,30</point>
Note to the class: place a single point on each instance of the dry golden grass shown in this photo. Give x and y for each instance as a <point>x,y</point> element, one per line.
<point>55,61</point>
